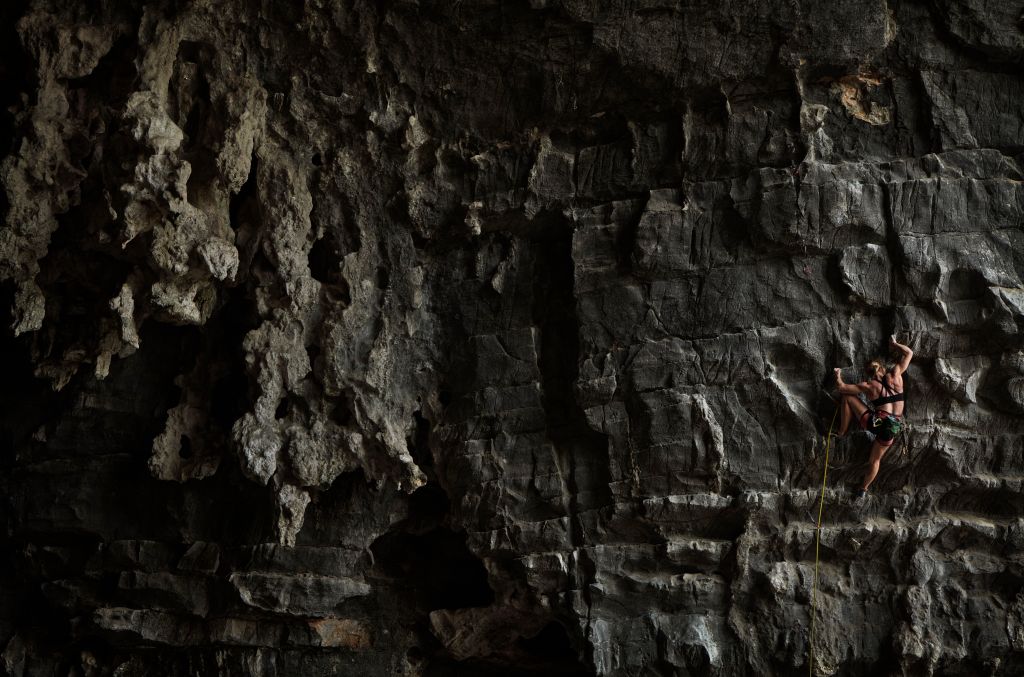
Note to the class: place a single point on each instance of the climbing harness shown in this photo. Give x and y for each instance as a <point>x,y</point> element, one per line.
<point>886,426</point>
<point>817,543</point>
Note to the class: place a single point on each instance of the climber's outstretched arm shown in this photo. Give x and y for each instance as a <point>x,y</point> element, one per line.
<point>908,354</point>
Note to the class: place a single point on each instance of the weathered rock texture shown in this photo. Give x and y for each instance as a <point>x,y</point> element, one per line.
<point>488,336</point>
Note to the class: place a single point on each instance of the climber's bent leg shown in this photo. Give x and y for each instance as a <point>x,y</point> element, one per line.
<point>850,407</point>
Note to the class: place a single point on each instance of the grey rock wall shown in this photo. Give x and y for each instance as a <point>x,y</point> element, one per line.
<point>490,336</point>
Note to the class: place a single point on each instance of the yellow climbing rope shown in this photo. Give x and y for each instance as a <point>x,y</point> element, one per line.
<point>817,542</point>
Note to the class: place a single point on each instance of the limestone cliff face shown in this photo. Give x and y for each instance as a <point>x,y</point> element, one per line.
<point>489,337</point>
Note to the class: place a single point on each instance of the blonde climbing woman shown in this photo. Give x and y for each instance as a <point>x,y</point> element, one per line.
<point>883,415</point>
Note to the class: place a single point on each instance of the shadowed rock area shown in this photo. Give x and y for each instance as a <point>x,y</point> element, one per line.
<point>491,337</point>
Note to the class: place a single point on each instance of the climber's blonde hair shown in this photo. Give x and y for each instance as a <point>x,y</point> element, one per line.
<point>872,367</point>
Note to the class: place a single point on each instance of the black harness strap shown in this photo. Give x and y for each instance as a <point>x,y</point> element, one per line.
<point>887,398</point>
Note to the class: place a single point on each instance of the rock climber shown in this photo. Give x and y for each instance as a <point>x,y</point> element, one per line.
<point>883,416</point>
